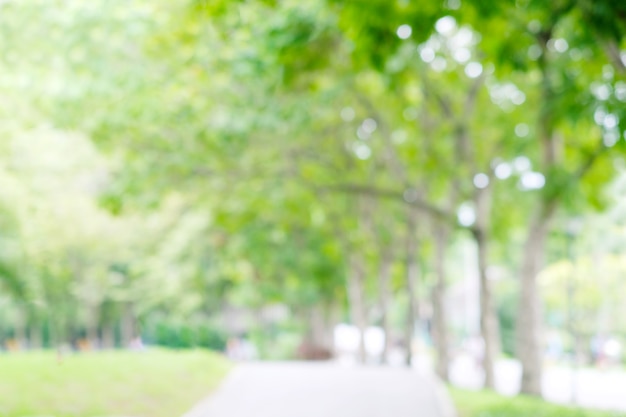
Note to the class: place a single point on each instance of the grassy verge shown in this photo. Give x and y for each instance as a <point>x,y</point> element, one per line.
<point>489,404</point>
<point>153,383</point>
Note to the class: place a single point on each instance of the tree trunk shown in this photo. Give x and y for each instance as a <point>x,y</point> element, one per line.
<point>317,332</point>
<point>108,336</point>
<point>411,283</point>
<point>440,331</point>
<point>92,326</point>
<point>330,321</point>
<point>34,336</point>
<point>318,339</point>
<point>356,294</point>
<point>488,319</point>
<point>489,327</point>
<point>59,332</point>
<point>529,318</point>
<point>384,277</point>
<point>20,329</point>
<point>529,309</point>
<point>128,325</point>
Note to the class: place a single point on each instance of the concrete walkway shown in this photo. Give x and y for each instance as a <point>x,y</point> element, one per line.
<point>325,390</point>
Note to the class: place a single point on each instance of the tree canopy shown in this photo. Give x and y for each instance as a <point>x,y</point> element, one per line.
<point>166,162</point>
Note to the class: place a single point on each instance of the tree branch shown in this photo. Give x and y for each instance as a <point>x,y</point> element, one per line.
<point>397,166</point>
<point>394,195</point>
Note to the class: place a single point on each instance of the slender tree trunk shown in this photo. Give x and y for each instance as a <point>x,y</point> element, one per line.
<point>59,331</point>
<point>318,340</point>
<point>92,326</point>
<point>489,327</point>
<point>59,334</point>
<point>440,331</point>
<point>356,294</point>
<point>529,340</point>
<point>330,320</point>
<point>20,329</point>
<point>384,283</point>
<point>34,335</point>
<point>108,336</point>
<point>317,327</point>
<point>529,314</point>
<point>488,319</point>
<point>128,325</point>
<point>412,274</point>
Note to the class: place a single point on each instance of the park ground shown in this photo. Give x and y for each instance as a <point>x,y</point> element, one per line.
<point>596,388</point>
<point>165,383</point>
<point>488,404</point>
<point>155,383</point>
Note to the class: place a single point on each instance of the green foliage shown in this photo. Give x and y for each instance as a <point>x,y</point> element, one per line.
<point>371,26</point>
<point>178,335</point>
<point>238,153</point>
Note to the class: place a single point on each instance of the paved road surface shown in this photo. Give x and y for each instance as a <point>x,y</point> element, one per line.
<point>325,390</point>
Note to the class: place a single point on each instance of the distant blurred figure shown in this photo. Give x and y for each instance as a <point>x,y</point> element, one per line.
<point>240,349</point>
<point>136,344</point>
<point>63,350</point>
<point>233,349</point>
<point>12,345</point>
<point>248,350</point>
<point>84,345</point>
<point>397,353</point>
<point>555,347</point>
<point>597,354</point>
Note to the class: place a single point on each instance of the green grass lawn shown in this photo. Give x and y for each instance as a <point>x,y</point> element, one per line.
<point>489,404</point>
<point>153,383</point>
